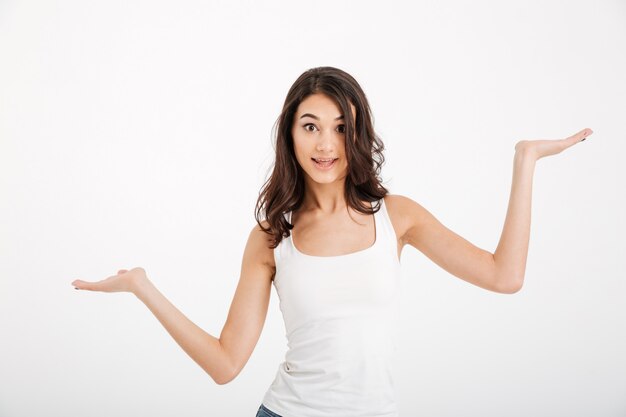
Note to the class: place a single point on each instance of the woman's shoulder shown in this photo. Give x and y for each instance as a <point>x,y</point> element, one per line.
<point>396,202</point>
<point>399,210</point>
<point>260,242</point>
<point>399,202</point>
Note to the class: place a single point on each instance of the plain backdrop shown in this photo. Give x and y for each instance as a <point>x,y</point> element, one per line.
<point>139,133</point>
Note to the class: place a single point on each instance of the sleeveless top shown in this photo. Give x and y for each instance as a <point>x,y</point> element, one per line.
<point>340,314</point>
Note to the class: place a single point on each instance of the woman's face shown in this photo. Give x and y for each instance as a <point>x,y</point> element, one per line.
<point>318,132</point>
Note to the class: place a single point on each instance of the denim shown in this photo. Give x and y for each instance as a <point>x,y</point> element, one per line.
<point>266,412</point>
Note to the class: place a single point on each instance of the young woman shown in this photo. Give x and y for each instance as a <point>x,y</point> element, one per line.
<point>330,243</point>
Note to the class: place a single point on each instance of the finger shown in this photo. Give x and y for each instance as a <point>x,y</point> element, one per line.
<point>79,284</point>
<point>575,138</point>
<point>122,271</point>
<point>580,136</point>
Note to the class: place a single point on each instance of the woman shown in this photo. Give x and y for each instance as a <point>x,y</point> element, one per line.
<point>337,277</point>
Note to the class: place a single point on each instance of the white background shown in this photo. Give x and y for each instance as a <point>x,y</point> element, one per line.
<point>139,133</point>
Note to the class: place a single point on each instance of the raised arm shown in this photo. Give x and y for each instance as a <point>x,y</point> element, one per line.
<point>512,251</point>
<point>222,358</point>
<point>502,271</point>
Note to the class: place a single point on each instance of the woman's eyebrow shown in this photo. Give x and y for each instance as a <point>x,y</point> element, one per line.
<point>317,118</point>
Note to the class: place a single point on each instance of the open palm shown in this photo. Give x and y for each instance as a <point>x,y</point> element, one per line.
<point>123,281</point>
<point>545,147</point>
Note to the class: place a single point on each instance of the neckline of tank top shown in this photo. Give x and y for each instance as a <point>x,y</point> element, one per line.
<point>345,255</point>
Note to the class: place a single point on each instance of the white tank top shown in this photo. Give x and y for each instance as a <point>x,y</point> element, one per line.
<point>341,314</point>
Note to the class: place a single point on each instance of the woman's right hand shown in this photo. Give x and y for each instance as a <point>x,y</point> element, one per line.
<point>124,281</point>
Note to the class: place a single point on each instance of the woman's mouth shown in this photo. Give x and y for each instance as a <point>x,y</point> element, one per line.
<point>324,163</point>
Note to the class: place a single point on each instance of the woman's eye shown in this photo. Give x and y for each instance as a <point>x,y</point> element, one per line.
<point>340,128</point>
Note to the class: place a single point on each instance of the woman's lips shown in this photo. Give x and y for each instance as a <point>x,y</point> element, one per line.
<point>324,165</point>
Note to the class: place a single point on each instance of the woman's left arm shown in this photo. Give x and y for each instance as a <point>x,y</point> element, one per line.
<point>512,250</point>
<point>502,271</point>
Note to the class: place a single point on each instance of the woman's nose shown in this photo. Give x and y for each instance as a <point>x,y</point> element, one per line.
<point>325,140</point>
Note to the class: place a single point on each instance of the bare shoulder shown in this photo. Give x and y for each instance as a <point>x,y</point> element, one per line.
<point>259,243</point>
<point>404,213</point>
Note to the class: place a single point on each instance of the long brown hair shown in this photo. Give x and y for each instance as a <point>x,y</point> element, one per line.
<point>284,190</point>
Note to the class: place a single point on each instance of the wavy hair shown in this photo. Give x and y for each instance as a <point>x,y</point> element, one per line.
<point>284,190</point>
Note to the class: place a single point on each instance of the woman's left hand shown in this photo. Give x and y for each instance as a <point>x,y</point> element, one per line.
<point>537,149</point>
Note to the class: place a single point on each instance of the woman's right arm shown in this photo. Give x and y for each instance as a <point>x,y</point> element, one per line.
<point>222,358</point>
